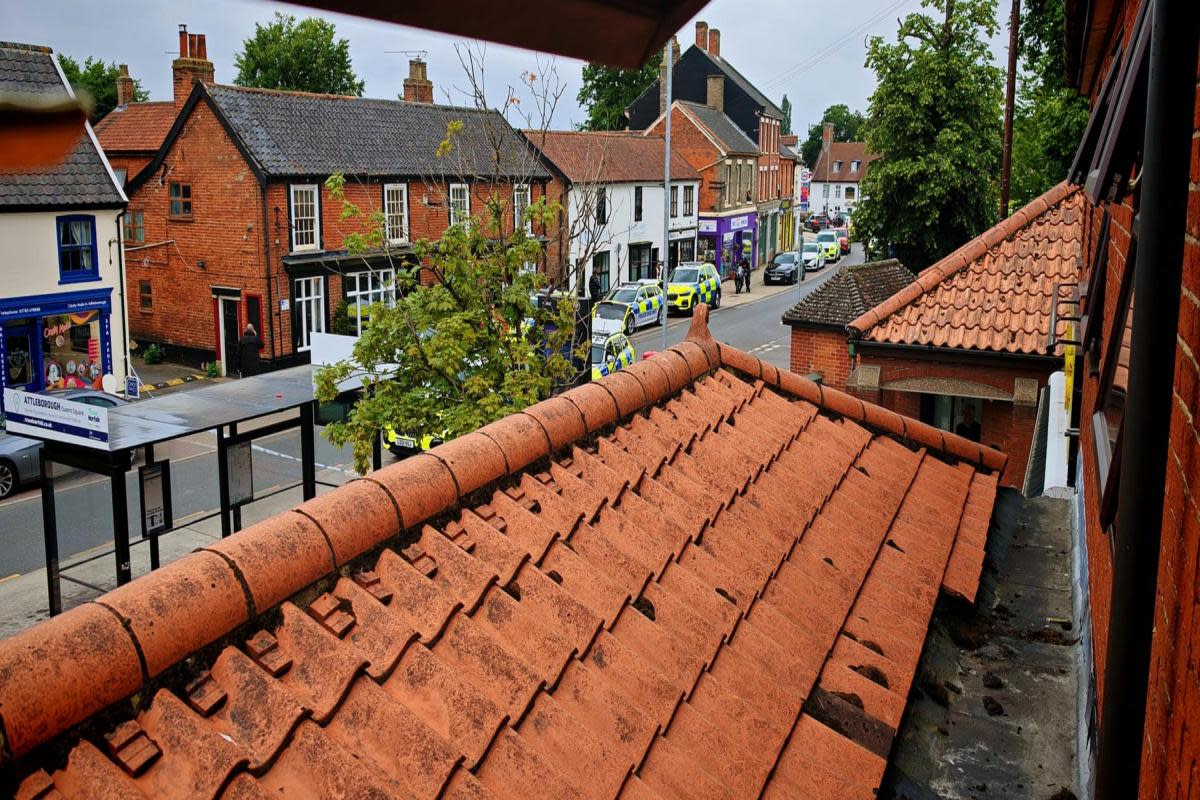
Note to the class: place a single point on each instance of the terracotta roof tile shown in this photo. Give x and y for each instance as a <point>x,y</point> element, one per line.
<point>612,620</point>
<point>847,153</point>
<point>136,128</point>
<point>607,157</point>
<point>996,292</point>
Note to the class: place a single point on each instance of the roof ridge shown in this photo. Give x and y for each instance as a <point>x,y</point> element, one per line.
<point>958,259</point>
<point>348,97</point>
<point>29,48</point>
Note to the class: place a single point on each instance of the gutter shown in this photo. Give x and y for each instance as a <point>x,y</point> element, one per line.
<point>930,351</point>
<point>121,288</point>
<point>271,310</point>
<point>1170,98</point>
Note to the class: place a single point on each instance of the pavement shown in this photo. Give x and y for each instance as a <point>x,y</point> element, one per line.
<point>164,378</point>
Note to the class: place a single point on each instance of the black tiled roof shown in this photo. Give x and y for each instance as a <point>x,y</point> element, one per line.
<point>295,133</point>
<point>850,293</point>
<point>745,85</point>
<point>721,126</point>
<point>83,179</point>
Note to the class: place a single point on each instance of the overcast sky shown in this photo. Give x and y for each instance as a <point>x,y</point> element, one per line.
<point>812,50</point>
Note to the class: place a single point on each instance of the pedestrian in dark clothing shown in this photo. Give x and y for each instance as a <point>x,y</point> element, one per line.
<point>594,287</point>
<point>248,347</point>
<point>746,274</point>
<point>969,428</point>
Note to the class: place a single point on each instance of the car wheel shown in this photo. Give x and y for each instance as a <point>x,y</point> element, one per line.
<point>659,319</point>
<point>717,300</point>
<point>8,479</point>
<point>629,325</point>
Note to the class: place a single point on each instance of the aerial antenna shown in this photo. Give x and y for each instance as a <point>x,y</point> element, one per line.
<point>421,54</point>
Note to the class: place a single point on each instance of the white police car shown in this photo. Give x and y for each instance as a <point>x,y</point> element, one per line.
<point>627,307</point>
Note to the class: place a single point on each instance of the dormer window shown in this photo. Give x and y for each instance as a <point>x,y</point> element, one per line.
<point>837,166</point>
<point>854,165</point>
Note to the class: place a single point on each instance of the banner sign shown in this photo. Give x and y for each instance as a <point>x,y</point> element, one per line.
<point>708,226</point>
<point>55,419</point>
<point>737,223</point>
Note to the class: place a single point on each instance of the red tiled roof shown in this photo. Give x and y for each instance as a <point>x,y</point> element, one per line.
<point>137,127</point>
<point>847,153</point>
<point>698,577</point>
<point>997,291</point>
<point>604,157</point>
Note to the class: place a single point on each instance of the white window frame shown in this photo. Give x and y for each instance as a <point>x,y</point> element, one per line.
<point>837,190</point>
<point>674,202</point>
<point>837,167</point>
<point>367,288</point>
<point>315,244</point>
<point>854,165</point>
<point>522,191</point>
<point>389,212</point>
<point>309,296</point>
<point>689,201</point>
<point>465,214</point>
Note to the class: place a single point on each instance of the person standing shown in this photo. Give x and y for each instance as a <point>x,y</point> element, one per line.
<point>248,347</point>
<point>746,274</point>
<point>594,287</point>
<point>969,428</point>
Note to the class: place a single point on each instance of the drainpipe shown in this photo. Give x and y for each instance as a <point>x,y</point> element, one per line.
<point>1170,96</point>
<point>267,267</point>
<point>121,289</point>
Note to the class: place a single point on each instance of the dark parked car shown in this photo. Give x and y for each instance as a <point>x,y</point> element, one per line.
<point>19,456</point>
<point>818,222</point>
<point>786,268</point>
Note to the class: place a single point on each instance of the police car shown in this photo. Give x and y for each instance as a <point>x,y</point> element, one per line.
<point>402,446</point>
<point>692,283</point>
<point>610,352</point>
<point>628,307</point>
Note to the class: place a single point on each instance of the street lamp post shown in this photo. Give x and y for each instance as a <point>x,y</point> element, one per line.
<point>666,248</point>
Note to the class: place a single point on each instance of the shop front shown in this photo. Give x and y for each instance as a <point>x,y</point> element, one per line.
<point>56,341</point>
<point>725,241</point>
<point>681,247</point>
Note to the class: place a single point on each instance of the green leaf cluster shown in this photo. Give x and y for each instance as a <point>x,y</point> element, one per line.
<point>847,127</point>
<point>472,346</point>
<point>98,81</point>
<point>785,126</point>
<point>935,117</point>
<point>299,56</point>
<point>607,91</point>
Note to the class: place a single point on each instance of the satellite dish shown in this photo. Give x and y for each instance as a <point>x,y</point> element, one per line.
<point>109,383</point>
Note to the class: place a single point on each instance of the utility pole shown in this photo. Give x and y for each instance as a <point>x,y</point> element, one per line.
<point>1009,104</point>
<point>666,248</point>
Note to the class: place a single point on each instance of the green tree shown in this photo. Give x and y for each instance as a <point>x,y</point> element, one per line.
<point>847,127</point>
<point>606,92</point>
<point>470,348</point>
<point>99,82</point>
<point>302,56</point>
<point>935,118</point>
<point>785,127</point>
<point>1050,116</point>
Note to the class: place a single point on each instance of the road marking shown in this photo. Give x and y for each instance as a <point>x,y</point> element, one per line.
<point>10,577</point>
<point>287,457</point>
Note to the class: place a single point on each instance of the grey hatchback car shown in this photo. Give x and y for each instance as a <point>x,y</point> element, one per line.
<point>19,456</point>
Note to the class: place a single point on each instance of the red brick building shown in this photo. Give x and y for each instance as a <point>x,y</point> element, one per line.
<point>236,226</point>
<point>974,330</point>
<point>818,322</point>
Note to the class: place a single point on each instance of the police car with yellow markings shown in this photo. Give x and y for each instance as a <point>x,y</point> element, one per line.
<point>692,283</point>
<point>628,307</point>
<point>402,446</point>
<point>610,352</point>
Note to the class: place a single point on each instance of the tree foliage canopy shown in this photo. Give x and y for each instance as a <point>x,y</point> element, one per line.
<point>606,92</point>
<point>301,56</point>
<point>99,81</point>
<point>1050,116</point>
<point>935,118</point>
<point>450,357</point>
<point>847,127</point>
<point>785,127</point>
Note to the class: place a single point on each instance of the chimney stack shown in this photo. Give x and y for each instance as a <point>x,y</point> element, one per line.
<point>124,86</point>
<point>826,136</point>
<point>192,66</point>
<point>702,35</point>
<point>714,43</point>
<point>674,49</point>
<point>716,92</point>
<point>417,86</point>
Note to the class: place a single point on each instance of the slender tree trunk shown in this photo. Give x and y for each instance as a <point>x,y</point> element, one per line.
<point>1009,103</point>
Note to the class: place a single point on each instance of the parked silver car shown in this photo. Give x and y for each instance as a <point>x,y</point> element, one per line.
<point>813,255</point>
<point>19,456</point>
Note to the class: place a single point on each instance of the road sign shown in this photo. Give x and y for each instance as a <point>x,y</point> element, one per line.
<point>805,176</point>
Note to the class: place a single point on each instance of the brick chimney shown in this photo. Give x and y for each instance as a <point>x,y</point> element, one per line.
<point>191,66</point>
<point>714,43</point>
<point>674,49</point>
<point>702,35</point>
<point>716,92</point>
<point>417,86</point>
<point>124,86</point>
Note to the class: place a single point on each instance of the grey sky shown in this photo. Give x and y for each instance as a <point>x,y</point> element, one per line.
<point>812,50</point>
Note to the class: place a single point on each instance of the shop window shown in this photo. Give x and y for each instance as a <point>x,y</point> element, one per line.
<point>637,203</point>
<point>642,258</point>
<point>306,223</point>
<point>77,259</point>
<point>522,199</point>
<point>601,206</point>
<point>689,200</point>
<point>71,351</point>
<point>602,270</point>
<point>145,296</point>
<point>460,203</point>
<point>135,226</point>
<point>395,211</point>
<point>365,289</point>
<point>181,200</point>
<point>309,298</point>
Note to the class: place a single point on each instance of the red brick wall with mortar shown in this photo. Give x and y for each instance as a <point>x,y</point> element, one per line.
<point>131,164</point>
<point>823,351</point>
<point>1004,426</point>
<point>699,151</point>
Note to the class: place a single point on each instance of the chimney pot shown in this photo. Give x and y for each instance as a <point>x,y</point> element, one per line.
<point>124,86</point>
<point>716,92</point>
<point>417,86</point>
<point>183,41</point>
<point>714,43</point>
<point>203,53</point>
<point>702,35</point>
<point>674,50</point>
<point>192,65</point>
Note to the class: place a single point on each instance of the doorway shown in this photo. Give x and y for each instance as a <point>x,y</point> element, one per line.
<point>20,371</point>
<point>230,333</point>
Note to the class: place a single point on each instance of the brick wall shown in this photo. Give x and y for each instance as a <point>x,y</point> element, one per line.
<point>132,164</point>
<point>698,150</point>
<point>823,351</point>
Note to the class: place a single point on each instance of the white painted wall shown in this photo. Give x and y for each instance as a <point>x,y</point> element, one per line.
<point>29,265</point>
<point>836,201</point>
<point>621,229</point>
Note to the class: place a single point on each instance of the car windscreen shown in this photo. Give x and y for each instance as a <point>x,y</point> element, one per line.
<point>685,275</point>
<point>610,311</point>
<point>826,236</point>
<point>785,258</point>
<point>623,295</point>
<point>812,247</point>
<point>597,354</point>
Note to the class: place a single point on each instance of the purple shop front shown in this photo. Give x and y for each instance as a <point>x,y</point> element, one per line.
<point>725,241</point>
